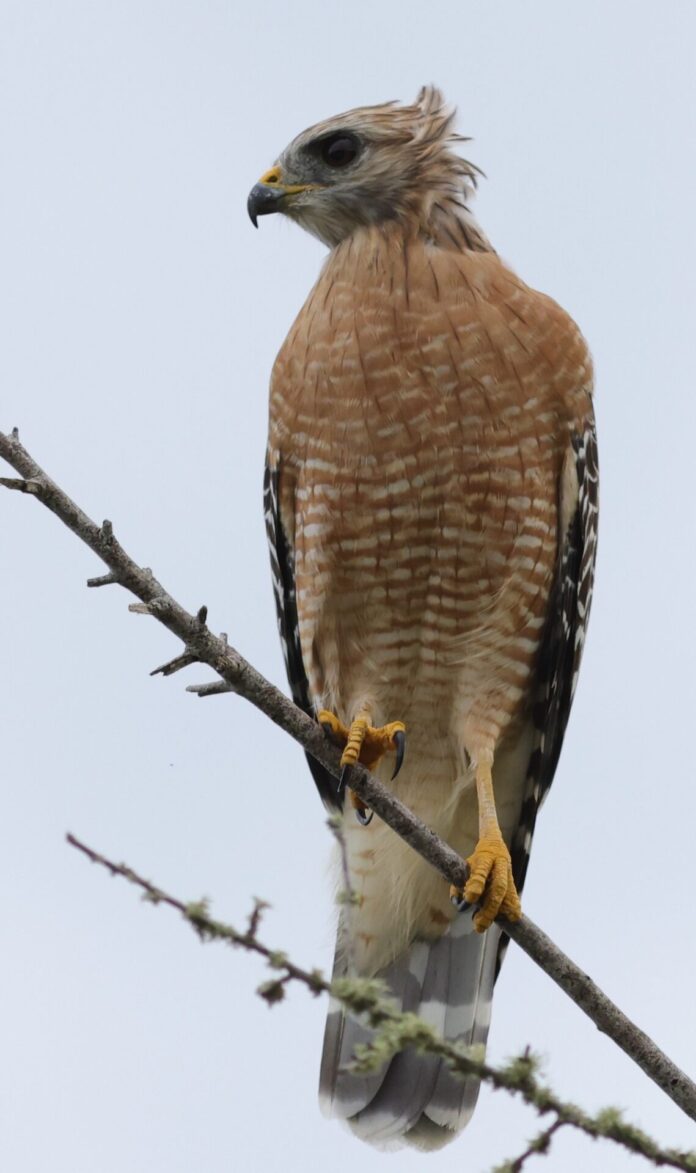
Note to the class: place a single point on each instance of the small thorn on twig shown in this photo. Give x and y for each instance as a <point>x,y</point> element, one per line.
<point>214,688</point>
<point>107,531</point>
<point>151,608</point>
<point>20,485</point>
<point>257,912</point>
<point>224,638</point>
<point>102,580</point>
<point>15,433</point>
<point>202,615</point>
<point>175,665</point>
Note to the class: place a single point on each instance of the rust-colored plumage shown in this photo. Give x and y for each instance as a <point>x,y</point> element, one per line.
<point>431,496</point>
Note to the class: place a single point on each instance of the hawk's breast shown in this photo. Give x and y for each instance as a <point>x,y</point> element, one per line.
<point>420,409</point>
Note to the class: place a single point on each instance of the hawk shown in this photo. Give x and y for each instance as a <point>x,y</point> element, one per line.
<point>431,504</point>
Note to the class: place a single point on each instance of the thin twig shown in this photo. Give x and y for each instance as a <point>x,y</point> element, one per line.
<point>539,1146</point>
<point>399,1029</point>
<point>236,672</point>
<point>196,913</point>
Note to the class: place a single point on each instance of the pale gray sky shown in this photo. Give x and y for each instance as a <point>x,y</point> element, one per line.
<point>140,317</point>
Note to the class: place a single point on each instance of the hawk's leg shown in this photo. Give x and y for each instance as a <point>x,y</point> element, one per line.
<point>490,883</point>
<point>364,743</point>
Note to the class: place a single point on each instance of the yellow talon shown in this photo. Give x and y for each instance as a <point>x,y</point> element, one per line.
<point>356,739</point>
<point>490,883</point>
<point>331,723</point>
<point>362,741</point>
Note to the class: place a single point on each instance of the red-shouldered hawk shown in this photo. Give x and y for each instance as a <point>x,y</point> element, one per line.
<point>431,500</point>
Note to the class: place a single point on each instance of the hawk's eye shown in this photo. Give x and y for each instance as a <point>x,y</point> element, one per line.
<point>339,150</point>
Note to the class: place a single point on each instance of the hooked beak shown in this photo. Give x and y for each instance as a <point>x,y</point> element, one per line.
<point>263,200</point>
<point>268,194</point>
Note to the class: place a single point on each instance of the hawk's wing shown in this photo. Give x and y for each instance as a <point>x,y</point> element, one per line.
<point>283,572</point>
<point>564,636</point>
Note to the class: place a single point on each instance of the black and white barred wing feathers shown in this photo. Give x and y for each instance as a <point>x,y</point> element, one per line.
<point>564,636</point>
<point>283,575</point>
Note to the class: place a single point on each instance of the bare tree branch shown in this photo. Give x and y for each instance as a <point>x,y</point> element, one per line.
<point>398,1029</point>
<point>239,676</point>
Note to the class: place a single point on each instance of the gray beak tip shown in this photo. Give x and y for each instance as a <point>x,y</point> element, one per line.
<point>263,200</point>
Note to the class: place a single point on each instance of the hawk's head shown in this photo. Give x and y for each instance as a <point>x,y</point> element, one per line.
<point>372,164</point>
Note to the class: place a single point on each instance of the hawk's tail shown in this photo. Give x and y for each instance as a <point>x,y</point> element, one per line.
<point>414,1098</point>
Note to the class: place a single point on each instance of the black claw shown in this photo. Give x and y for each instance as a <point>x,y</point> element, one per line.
<point>364,815</point>
<point>328,730</point>
<point>342,782</point>
<point>400,743</point>
<point>463,905</point>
